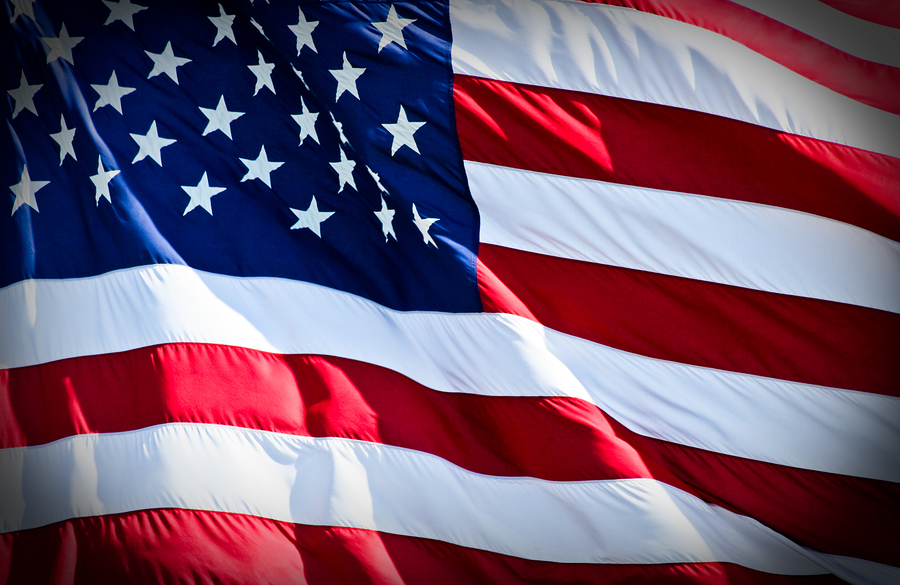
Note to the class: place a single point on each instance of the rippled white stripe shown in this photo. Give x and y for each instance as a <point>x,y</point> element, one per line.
<point>858,37</point>
<point>341,482</point>
<point>630,54</point>
<point>704,238</point>
<point>788,423</point>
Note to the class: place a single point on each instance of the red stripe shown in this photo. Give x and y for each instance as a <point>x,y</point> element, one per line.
<point>825,512</point>
<point>730,328</point>
<point>179,546</point>
<point>874,84</point>
<point>555,438</point>
<point>661,147</point>
<point>558,439</point>
<point>883,12</point>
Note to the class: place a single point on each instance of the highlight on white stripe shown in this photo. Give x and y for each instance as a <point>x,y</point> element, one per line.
<point>842,31</point>
<point>342,482</point>
<point>680,234</point>
<point>626,53</point>
<point>765,419</point>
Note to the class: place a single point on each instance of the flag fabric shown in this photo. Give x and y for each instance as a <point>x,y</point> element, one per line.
<point>487,291</point>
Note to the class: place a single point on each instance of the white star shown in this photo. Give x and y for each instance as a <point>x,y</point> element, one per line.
<point>303,31</point>
<point>201,195</point>
<point>22,7</point>
<point>25,189</point>
<point>259,28</point>
<point>306,121</point>
<point>64,139</point>
<point>392,29</point>
<point>166,62</point>
<point>340,128</point>
<point>346,78</point>
<point>424,224</point>
<point>24,96</point>
<point>101,182</point>
<point>403,132</point>
<point>223,24</point>
<point>344,170</point>
<point>386,217</point>
<point>150,145</point>
<point>260,168</point>
<point>299,74</point>
<point>111,94</point>
<point>61,46</point>
<point>124,10</point>
<point>311,218</point>
<point>377,179</point>
<point>220,118</point>
<point>263,73</point>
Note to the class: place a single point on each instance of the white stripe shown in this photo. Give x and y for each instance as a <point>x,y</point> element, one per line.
<point>759,418</point>
<point>704,238</point>
<point>630,54</point>
<point>340,482</point>
<point>858,37</point>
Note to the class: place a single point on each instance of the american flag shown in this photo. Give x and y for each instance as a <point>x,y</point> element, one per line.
<point>478,291</point>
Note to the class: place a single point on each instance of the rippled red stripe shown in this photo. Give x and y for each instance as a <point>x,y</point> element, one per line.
<point>186,546</point>
<point>561,439</point>
<point>873,84</point>
<point>661,147</point>
<point>697,322</point>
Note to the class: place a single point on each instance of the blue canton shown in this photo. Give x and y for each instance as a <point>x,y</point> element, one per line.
<point>313,141</point>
